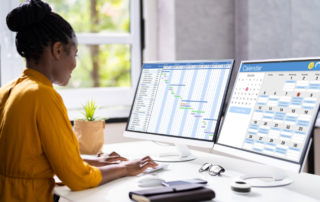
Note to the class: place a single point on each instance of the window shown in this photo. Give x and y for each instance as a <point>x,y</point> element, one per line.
<point>109,58</point>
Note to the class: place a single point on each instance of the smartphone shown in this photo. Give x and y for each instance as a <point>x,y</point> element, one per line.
<point>180,182</point>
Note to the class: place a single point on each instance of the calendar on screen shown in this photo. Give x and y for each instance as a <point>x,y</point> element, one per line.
<point>272,108</point>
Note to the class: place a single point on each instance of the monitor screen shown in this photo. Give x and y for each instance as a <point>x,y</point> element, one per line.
<point>272,108</point>
<point>181,99</point>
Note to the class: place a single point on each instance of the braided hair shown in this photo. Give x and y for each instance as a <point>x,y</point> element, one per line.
<point>37,27</point>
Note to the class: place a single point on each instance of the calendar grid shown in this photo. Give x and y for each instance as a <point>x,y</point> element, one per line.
<point>275,103</point>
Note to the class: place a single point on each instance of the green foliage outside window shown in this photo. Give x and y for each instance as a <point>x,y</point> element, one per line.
<point>103,16</point>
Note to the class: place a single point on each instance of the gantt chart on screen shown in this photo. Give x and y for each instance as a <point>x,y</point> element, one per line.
<point>180,99</point>
<point>272,108</point>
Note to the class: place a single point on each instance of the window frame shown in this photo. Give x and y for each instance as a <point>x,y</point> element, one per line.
<point>111,96</point>
<point>11,67</point>
<point>10,60</point>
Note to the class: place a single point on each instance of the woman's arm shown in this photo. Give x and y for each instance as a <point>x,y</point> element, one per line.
<point>129,168</point>
<point>62,150</point>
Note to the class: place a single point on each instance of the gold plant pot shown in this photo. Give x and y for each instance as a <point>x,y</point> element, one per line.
<point>90,135</point>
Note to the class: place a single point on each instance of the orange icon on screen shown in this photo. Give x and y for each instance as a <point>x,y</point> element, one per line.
<point>298,94</point>
<point>247,88</point>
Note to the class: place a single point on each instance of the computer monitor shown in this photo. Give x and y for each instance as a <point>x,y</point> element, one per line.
<point>271,114</point>
<point>179,102</point>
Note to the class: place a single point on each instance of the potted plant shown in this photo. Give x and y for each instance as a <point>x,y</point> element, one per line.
<point>90,129</point>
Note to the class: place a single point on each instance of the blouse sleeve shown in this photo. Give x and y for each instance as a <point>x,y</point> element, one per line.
<point>61,146</point>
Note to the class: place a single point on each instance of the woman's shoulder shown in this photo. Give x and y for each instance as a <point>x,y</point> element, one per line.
<point>39,89</point>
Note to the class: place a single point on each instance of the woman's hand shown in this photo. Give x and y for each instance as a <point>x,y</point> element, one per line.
<point>128,168</point>
<point>101,154</point>
<point>104,160</point>
<point>137,166</point>
<point>109,160</point>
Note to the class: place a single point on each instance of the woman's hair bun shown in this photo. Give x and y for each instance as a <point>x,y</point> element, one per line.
<point>27,14</point>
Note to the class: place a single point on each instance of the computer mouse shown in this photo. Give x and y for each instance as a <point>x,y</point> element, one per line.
<point>149,180</point>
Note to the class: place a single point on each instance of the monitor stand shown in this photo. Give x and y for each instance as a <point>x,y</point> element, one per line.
<point>183,154</point>
<point>279,176</point>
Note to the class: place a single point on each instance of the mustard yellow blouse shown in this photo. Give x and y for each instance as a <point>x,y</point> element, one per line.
<point>37,141</point>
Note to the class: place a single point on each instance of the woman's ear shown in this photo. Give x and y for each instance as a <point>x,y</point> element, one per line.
<point>57,50</point>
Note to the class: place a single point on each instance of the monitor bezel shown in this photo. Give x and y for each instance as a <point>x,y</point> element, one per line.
<point>221,108</point>
<point>309,135</point>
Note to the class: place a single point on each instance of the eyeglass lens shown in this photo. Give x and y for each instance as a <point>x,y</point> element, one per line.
<point>216,170</point>
<point>205,167</point>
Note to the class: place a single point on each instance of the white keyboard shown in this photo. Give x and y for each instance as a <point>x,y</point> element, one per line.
<point>159,167</point>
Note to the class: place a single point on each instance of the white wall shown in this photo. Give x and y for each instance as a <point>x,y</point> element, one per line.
<point>113,133</point>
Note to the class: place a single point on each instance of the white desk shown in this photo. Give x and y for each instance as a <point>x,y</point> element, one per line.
<point>305,187</point>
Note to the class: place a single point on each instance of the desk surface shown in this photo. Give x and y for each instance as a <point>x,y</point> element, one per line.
<point>304,188</point>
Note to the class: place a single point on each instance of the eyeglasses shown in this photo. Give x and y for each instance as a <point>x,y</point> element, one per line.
<point>213,169</point>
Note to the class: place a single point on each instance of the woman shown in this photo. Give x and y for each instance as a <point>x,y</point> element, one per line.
<point>36,138</point>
